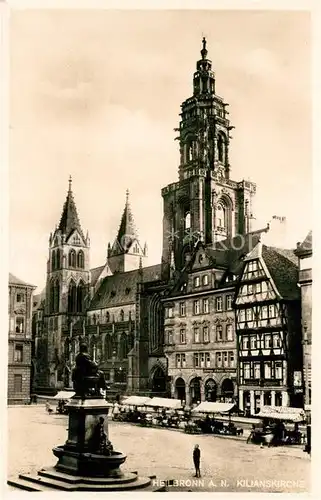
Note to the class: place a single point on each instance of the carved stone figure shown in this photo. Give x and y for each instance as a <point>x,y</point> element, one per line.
<point>100,444</point>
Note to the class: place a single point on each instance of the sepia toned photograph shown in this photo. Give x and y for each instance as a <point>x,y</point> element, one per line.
<point>160,251</point>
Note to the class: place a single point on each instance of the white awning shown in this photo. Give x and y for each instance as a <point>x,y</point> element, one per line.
<point>136,401</point>
<point>209,407</point>
<point>282,413</point>
<point>64,395</point>
<point>165,403</point>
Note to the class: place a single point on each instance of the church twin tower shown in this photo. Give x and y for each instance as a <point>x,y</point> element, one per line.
<point>204,205</point>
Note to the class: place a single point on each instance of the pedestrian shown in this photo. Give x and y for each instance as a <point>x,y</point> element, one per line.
<point>196,460</point>
<point>48,408</point>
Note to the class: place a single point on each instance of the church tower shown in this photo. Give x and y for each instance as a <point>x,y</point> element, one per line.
<point>68,280</point>
<point>205,204</point>
<point>126,253</point>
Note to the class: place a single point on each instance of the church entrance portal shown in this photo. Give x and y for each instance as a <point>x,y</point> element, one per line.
<point>159,382</point>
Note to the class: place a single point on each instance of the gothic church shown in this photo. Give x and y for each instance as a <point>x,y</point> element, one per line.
<point>118,308</point>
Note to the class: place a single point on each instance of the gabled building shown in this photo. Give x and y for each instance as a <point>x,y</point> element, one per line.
<point>304,253</point>
<point>268,330</point>
<point>200,337</point>
<point>19,340</point>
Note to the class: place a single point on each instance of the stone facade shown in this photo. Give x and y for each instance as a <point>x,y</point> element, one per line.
<point>205,203</point>
<point>200,341</point>
<point>20,341</point>
<point>304,253</point>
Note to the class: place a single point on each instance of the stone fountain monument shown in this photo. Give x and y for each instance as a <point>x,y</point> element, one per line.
<point>87,461</point>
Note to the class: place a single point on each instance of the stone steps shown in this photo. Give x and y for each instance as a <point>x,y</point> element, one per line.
<point>50,479</point>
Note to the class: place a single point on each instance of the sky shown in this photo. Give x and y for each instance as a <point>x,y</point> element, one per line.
<point>97,94</point>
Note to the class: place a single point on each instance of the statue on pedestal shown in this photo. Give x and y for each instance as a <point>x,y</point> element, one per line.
<point>87,379</point>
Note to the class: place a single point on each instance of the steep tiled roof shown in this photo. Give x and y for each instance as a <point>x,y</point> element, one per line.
<point>306,246</point>
<point>120,288</point>
<point>13,280</point>
<point>69,219</point>
<point>283,270</point>
<point>238,247</point>
<point>95,273</point>
<point>226,254</point>
<point>39,299</point>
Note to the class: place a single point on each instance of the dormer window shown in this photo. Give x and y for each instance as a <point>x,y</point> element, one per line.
<point>205,279</point>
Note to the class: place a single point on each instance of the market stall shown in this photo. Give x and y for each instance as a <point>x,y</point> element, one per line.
<point>276,420</point>
<point>63,397</point>
<point>209,424</point>
<point>132,409</point>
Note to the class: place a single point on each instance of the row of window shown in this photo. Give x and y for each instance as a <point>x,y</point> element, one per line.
<point>103,350</point>
<point>253,270</point>
<point>202,335</point>
<point>202,306</point>
<point>95,319</point>
<point>257,370</point>
<point>224,359</point>
<point>75,259</point>
<point>258,313</point>
<point>255,288</point>
<point>197,281</point>
<point>266,341</point>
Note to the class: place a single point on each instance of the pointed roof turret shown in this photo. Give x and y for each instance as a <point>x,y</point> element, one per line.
<point>69,219</point>
<point>127,231</point>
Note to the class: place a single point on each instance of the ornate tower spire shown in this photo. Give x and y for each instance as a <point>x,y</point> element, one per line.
<point>126,251</point>
<point>204,77</point>
<point>127,231</point>
<point>204,50</point>
<point>69,219</point>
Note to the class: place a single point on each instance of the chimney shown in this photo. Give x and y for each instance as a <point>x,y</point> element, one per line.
<point>277,233</point>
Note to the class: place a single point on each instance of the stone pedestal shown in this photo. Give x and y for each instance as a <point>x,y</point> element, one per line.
<point>79,455</point>
<point>82,464</point>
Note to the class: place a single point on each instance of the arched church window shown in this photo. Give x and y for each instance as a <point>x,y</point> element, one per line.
<point>108,347</point>
<point>123,348</point>
<point>107,317</point>
<point>221,148</point>
<point>53,260</point>
<point>72,297</point>
<point>187,222</point>
<point>52,297</point>
<point>221,216</point>
<point>56,296</point>
<point>80,259</point>
<point>80,297</point>
<point>58,259</point>
<point>122,315</point>
<point>72,258</point>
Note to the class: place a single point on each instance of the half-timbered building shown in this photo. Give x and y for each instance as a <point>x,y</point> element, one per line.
<point>267,312</point>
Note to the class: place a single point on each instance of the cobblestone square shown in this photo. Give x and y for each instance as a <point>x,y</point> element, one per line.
<point>227,464</point>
